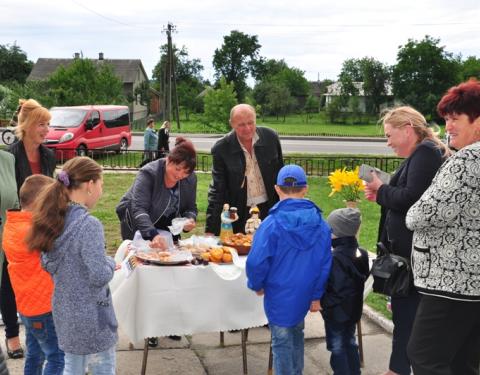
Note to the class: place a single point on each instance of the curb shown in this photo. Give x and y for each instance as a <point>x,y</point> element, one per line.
<point>378,319</point>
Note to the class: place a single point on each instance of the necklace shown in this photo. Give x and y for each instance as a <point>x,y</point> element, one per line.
<point>73,203</point>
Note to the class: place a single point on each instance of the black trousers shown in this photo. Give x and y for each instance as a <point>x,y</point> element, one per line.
<point>8,306</point>
<point>403,316</point>
<point>446,337</point>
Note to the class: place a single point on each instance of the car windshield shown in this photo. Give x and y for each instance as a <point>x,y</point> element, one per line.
<point>67,117</point>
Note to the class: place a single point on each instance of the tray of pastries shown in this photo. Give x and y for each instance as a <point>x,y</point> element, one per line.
<point>240,242</point>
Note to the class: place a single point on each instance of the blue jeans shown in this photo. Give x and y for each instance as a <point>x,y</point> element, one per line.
<point>102,363</point>
<point>42,344</point>
<point>344,358</point>
<point>287,348</point>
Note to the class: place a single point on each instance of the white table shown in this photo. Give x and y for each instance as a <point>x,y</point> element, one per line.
<point>183,300</point>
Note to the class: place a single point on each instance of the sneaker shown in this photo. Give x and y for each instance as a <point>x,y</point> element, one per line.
<point>152,342</point>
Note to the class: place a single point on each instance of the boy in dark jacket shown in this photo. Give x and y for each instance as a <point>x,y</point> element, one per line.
<point>289,263</point>
<point>342,302</point>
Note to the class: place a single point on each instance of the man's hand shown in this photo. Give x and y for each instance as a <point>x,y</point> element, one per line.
<point>315,306</point>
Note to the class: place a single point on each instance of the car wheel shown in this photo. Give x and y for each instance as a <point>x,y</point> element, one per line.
<point>81,150</point>
<point>8,137</point>
<point>123,146</point>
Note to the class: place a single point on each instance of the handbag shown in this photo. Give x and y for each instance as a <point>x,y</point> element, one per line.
<point>391,273</point>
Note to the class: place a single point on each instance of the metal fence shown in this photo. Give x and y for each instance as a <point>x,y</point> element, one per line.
<point>131,160</point>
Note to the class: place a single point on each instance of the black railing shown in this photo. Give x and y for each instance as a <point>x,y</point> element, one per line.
<point>131,160</point>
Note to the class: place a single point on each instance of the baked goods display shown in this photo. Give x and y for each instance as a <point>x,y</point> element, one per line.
<point>220,254</point>
<point>240,242</point>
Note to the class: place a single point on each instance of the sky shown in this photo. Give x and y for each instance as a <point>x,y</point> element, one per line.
<point>315,36</point>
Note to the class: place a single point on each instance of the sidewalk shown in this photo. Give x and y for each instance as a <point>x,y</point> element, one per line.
<point>201,354</point>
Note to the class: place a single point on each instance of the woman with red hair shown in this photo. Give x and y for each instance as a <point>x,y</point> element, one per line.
<point>446,248</point>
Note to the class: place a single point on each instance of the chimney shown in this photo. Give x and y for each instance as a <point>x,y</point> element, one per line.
<point>77,55</point>
<point>100,55</point>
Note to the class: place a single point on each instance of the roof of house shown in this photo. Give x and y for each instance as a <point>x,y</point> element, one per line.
<point>335,89</point>
<point>125,69</point>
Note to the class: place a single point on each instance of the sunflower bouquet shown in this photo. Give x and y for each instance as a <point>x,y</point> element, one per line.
<point>347,183</point>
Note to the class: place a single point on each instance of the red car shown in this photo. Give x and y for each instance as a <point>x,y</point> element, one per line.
<point>80,129</point>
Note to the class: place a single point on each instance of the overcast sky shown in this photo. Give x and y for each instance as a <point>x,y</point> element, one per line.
<point>315,36</point>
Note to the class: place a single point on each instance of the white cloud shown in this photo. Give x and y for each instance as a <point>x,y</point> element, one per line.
<point>315,36</point>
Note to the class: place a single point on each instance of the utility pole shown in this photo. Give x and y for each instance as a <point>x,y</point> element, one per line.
<point>171,77</point>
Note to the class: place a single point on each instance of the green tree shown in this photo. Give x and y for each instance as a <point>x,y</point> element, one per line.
<point>470,68</point>
<point>82,82</point>
<point>312,105</point>
<point>218,103</point>
<point>14,65</point>
<point>374,77</point>
<point>280,100</point>
<point>278,72</point>
<point>188,74</point>
<point>424,71</point>
<point>235,60</point>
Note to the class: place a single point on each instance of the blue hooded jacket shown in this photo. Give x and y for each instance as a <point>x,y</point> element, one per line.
<point>290,260</point>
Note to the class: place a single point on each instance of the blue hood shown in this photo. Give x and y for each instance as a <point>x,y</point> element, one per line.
<point>298,220</point>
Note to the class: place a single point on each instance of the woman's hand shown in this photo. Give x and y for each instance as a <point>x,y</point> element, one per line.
<point>189,225</point>
<point>372,187</point>
<point>315,306</point>
<point>158,242</point>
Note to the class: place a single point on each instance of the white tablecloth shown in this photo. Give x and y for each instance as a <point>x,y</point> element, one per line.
<point>181,300</point>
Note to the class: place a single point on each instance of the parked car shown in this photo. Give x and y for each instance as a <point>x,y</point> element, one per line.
<point>82,130</point>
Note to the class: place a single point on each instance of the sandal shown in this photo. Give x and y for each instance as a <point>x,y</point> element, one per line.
<point>14,354</point>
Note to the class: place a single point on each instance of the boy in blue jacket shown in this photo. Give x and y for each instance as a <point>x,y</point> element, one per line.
<point>289,264</point>
<point>342,302</point>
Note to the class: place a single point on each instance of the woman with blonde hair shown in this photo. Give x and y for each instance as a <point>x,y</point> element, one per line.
<point>409,136</point>
<point>31,157</point>
<point>73,252</point>
<point>163,139</point>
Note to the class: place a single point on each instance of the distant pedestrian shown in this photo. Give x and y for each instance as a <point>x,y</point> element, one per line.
<point>73,252</point>
<point>163,147</point>
<point>289,263</point>
<point>342,302</point>
<point>150,140</point>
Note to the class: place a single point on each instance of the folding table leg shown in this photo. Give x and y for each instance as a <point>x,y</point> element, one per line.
<point>222,339</point>
<point>360,342</point>
<point>145,357</point>
<point>270,360</point>
<point>244,350</point>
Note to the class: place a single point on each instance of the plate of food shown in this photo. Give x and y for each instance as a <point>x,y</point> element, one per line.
<point>164,258</point>
<point>219,255</point>
<point>240,242</point>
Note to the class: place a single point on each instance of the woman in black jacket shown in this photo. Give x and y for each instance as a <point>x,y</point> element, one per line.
<point>408,135</point>
<point>163,190</point>
<point>31,157</point>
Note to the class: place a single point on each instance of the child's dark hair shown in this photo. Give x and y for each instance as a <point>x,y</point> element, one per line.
<point>183,154</point>
<point>31,188</point>
<point>51,208</point>
<point>291,189</point>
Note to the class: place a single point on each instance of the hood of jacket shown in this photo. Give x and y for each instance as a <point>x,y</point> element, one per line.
<point>298,222</point>
<point>75,215</point>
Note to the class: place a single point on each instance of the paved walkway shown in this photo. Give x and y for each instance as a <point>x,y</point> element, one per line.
<point>201,354</point>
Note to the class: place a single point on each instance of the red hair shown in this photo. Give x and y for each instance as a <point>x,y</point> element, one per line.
<point>464,98</point>
<point>183,154</point>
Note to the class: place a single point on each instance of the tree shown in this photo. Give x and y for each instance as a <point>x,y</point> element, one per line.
<point>312,105</point>
<point>279,100</point>
<point>83,82</point>
<point>269,72</point>
<point>424,71</point>
<point>374,77</point>
<point>218,103</point>
<point>188,77</point>
<point>470,68</point>
<point>14,65</point>
<point>235,60</point>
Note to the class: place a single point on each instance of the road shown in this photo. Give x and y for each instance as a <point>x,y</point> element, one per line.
<point>291,144</point>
